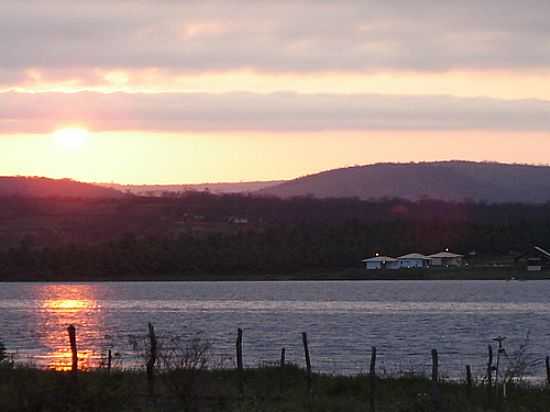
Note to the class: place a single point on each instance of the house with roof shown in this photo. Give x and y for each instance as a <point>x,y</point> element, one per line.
<point>381,262</point>
<point>446,259</point>
<point>414,260</point>
<point>534,259</point>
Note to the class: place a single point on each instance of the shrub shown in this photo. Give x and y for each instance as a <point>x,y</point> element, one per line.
<point>3,355</point>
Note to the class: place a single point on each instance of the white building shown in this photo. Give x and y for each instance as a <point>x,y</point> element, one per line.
<point>535,259</point>
<point>381,262</point>
<point>447,259</point>
<point>414,260</point>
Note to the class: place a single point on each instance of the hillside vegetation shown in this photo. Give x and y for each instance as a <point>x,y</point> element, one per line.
<point>451,180</point>
<point>44,187</point>
<point>199,233</point>
<point>160,190</point>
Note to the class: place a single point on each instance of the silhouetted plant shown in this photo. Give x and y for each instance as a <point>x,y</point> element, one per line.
<point>520,362</point>
<point>183,361</point>
<point>3,354</point>
<point>6,359</point>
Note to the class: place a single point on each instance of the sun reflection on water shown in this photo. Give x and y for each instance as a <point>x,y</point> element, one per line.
<point>63,305</point>
<point>72,305</point>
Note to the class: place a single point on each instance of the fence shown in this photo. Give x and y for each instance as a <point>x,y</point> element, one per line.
<point>493,380</point>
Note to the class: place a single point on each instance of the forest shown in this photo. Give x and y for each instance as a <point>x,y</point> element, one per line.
<point>202,233</point>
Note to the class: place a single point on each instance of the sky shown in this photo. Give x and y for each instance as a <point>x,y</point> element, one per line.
<point>205,91</point>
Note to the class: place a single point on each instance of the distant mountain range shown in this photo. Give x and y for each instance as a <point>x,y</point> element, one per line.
<point>44,187</point>
<point>157,190</point>
<point>448,180</point>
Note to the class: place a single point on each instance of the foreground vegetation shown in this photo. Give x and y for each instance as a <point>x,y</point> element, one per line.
<point>183,375</point>
<point>265,389</point>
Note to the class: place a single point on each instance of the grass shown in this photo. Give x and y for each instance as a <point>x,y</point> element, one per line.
<point>266,389</point>
<point>480,271</point>
<point>351,274</point>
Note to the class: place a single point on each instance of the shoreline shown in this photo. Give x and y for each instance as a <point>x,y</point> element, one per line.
<point>470,273</point>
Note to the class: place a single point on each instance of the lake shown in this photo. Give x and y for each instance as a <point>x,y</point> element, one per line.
<point>343,319</point>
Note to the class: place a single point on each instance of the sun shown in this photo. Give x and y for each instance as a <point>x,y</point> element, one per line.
<point>71,138</point>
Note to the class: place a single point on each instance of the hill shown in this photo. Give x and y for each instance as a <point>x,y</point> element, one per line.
<point>44,187</point>
<point>448,180</point>
<point>219,188</point>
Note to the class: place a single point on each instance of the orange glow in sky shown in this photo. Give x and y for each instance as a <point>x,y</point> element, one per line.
<point>502,84</point>
<point>268,91</point>
<point>134,157</point>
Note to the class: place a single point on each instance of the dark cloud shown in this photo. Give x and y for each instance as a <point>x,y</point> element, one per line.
<point>279,112</point>
<point>275,36</point>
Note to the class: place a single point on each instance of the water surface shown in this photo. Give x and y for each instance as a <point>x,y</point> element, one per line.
<point>403,319</point>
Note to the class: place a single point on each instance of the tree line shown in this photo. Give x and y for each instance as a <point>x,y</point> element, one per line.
<point>142,236</point>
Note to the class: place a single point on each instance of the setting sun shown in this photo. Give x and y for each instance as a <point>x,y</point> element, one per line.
<point>71,138</point>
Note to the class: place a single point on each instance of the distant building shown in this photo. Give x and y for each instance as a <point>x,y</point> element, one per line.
<point>414,260</point>
<point>381,262</point>
<point>237,220</point>
<point>446,259</point>
<point>535,259</point>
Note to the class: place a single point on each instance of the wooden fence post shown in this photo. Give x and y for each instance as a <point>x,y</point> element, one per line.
<point>308,361</point>
<point>372,380</point>
<point>548,370</point>
<point>468,382</point>
<point>74,353</point>
<point>490,377</point>
<point>436,395</point>
<point>109,361</point>
<point>152,359</point>
<point>282,370</point>
<point>239,350</point>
